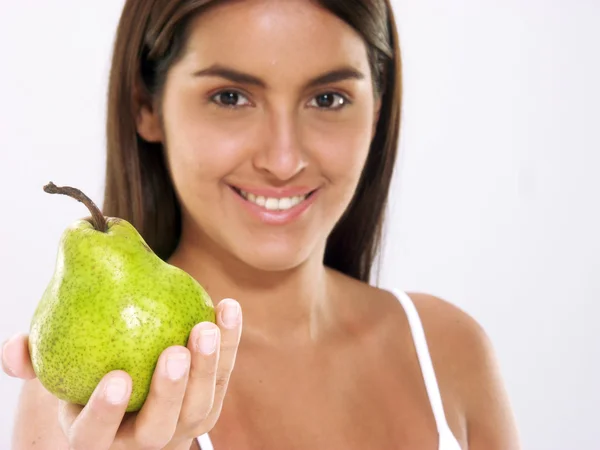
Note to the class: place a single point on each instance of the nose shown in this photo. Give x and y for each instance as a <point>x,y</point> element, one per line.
<point>281,154</point>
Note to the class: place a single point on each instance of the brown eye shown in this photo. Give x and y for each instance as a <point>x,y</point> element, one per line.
<point>329,100</point>
<point>230,99</point>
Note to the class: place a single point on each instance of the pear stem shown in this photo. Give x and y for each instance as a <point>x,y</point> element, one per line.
<point>98,219</point>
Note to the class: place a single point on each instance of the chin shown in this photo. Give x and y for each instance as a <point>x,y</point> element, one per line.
<point>274,258</point>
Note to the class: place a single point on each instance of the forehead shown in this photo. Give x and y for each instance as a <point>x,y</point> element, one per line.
<point>274,38</point>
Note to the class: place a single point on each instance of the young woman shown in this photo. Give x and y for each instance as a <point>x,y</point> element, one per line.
<point>252,144</point>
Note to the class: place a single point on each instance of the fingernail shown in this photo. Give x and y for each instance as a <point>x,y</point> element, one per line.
<point>115,390</point>
<point>5,360</point>
<point>177,364</point>
<point>230,314</point>
<point>207,340</point>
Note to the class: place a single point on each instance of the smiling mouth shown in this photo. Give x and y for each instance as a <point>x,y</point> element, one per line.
<point>273,203</point>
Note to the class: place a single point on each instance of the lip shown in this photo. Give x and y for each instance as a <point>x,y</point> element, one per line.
<point>276,217</point>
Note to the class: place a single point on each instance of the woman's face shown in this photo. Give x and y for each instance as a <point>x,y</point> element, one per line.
<point>267,120</point>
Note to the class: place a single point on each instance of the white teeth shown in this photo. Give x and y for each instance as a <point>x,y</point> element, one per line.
<point>274,204</point>
<point>285,203</point>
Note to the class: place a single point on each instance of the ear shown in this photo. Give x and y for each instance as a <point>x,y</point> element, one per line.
<point>148,124</point>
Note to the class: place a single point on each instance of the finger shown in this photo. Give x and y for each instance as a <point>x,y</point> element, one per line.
<point>16,361</point>
<point>199,397</point>
<point>157,420</point>
<point>95,426</point>
<point>229,319</point>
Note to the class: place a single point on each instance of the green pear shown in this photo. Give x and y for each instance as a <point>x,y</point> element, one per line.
<point>111,304</point>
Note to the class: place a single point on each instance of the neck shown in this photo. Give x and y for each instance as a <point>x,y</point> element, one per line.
<point>291,306</point>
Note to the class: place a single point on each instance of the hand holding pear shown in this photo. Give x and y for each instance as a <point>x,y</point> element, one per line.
<point>101,348</point>
<point>112,304</point>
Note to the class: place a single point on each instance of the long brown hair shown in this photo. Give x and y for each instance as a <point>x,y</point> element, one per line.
<point>150,37</point>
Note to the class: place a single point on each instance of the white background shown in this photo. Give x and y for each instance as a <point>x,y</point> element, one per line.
<point>495,206</point>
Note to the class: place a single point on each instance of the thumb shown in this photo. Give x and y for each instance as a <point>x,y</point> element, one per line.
<point>16,361</point>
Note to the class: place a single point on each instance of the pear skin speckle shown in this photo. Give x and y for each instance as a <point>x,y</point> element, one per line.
<point>112,304</point>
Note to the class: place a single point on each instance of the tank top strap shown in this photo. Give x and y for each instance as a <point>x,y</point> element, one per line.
<point>204,442</point>
<point>422,349</point>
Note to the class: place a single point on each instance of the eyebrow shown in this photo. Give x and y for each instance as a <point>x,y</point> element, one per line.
<point>336,75</point>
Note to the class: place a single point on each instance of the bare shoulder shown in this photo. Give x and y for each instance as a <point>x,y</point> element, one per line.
<point>463,356</point>
<point>465,362</point>
<point>449,328</point>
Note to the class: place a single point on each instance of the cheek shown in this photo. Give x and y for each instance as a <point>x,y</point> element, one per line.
<point>343,150</point>
<point>202,150</point>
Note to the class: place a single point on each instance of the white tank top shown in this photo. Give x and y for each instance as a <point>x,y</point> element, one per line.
<point>447,441</point>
